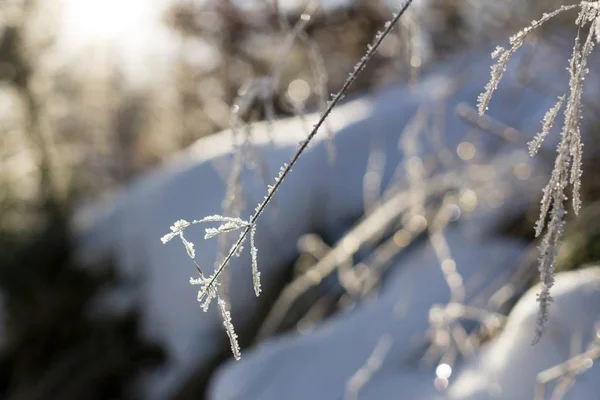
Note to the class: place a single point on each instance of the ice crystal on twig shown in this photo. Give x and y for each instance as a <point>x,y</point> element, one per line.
<point>235,347</point>
<point>547,123</point>
<point>503,55</point>
<point>254,255</point>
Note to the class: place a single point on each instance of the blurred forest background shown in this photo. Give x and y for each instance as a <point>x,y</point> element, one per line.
<point>93,93</point>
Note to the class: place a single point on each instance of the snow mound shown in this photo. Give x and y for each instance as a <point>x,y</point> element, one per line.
<point>508,366</point>
<point>320,364</point>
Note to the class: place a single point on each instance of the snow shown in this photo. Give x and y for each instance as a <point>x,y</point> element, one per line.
<point>324,197</point>
<point>341,345</point>
<point>318,364</point>
<point>511,363</point>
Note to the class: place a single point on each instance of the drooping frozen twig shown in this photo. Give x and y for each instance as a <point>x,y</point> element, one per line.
<point>567,168</point>
<point>503,55</point>
<point>568,163</point>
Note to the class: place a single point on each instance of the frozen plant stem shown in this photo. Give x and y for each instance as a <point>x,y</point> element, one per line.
<point>209,285</point>
<point>567,167</point>
<point>285,170</point>
<point>503,55</point>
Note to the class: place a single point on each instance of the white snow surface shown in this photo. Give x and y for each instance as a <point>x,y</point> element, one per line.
<point>317,365</point>
<point>507,367</point>
<point>326,197</point>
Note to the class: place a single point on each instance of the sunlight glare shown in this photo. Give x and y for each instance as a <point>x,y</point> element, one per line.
<point>94,21</point>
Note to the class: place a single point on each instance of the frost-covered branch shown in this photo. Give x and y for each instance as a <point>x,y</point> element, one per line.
<point>503,55</point>
<point>286,168</point>
<point>568,163</point>
<point>208,285</point>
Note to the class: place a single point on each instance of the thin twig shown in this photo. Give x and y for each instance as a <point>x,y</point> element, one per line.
<point>288,167</point>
